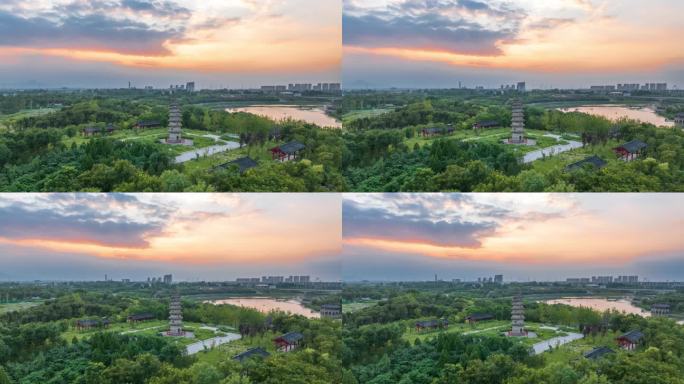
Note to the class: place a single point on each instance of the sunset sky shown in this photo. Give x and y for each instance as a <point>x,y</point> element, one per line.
<point>548,43</point>
<point>193,236</point>
<point>523,236</point>
<point>106,43</point>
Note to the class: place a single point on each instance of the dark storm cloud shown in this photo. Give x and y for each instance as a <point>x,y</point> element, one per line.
<point>89,26</point>
<point>88,219</point>
<point>431,25</point>
<point>384,224</point>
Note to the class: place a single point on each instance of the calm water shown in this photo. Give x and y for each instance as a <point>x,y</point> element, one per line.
<point>267,304</point>
<point>315,115</point>
<point>614,112</point>
<point>599,304</point>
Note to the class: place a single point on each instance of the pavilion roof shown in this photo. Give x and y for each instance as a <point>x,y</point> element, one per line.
<point>292,147</point>
<point>430,323</point>
<point>148,122</point>
<point>243,163</point>
<point>593,160</point>
<point>291,337</point>
<point>598,352</point>
<point>634,146</point>
<point>488,123</point>
<point>142,316</point>
<point>258,351</point>
<point>480,316</point>
<point>632,336</point>
<point>332,306</point>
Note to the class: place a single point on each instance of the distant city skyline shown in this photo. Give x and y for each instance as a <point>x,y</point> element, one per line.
<point>211,237</point>
<point>217,44</point>
<point>552,44</point>
<point>525,237</point>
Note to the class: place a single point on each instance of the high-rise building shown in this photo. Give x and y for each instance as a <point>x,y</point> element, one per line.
<point>168,279</point>
<point>602,279</point>
<point>498,279</point>
<point>190,86</point>
<point>627,279</point>
<point>520,87</point>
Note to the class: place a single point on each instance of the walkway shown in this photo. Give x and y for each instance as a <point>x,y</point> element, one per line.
<point>543,346</point>
<point>211,343</point>
<point>484,330</point>
<point>208,151</point>
<point>551,151</point>
<point>140,330</point>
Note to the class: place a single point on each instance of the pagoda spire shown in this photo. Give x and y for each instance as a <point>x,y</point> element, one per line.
<point>518,317</point>
<point>174,124</point>
<point>175,317</point>
<point>517,122</point>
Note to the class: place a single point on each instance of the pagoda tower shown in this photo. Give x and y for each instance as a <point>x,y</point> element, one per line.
<point>174,124</point>
<point>518,317</point>
<point>517,123</point>
<point>175,317</point>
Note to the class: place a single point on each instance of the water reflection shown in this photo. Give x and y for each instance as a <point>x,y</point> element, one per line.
<point>310,114</point>
<point>599,304</point>
<point>267,304</point>
<point>615,112</point>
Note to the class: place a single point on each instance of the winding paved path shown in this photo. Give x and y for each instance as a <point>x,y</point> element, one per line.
<point>543,346</point>
<point>208,151</point>
<point>551,151</point>
<point>211,343</point>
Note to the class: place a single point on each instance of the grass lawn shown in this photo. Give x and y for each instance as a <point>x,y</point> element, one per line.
<point>359,114</point>
<point>496,135</point>
<point>226,351</point>
<point>259,154</point>
<point>561,160</point>
<point>146,328</point>
<point>494,327</point>
<point>577,348</point>
<point>357,305</point>
<point>6,119</point>
<point>11,307</point>
<point>487,328</point>
<point>154,136</point>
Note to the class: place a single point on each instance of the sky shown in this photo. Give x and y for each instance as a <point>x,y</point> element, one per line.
<point>205,237</point>
<point>525,237</point>
<point>216,43</point>
<point>547,43</point>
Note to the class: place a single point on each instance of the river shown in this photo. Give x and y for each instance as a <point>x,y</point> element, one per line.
<point>310,114</point>
<point>615,112</point>
<point>601,304</point>
<point>267,304</point>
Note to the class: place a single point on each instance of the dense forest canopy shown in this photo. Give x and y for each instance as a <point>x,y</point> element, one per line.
<point>46,151</point>
<point>40,344</point>
<point>377,350</point>
<point>385,151</point>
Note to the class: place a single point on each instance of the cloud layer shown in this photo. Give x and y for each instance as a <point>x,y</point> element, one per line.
<point>493,42</point>
<point>125,26</point>
<point>431,25</point>
<point>190,233</point>
<point>537,236</point>
<point>168,41</point>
